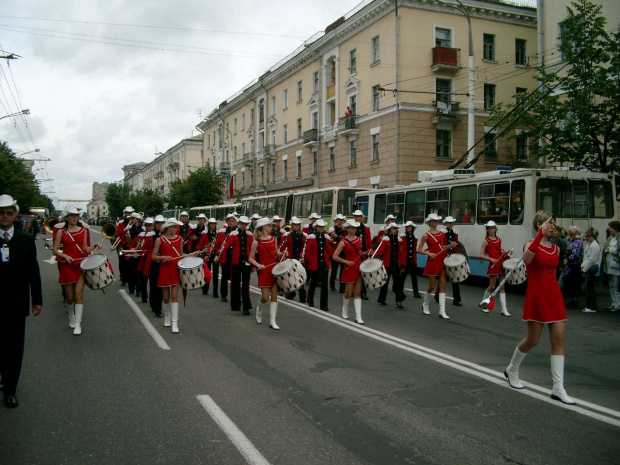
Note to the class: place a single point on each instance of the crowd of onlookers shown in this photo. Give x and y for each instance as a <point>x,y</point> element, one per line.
<point>580,262</point>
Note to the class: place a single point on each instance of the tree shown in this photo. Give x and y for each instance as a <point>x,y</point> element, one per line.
<point>117,198</point>
<point>202,187</point>
<point>147,201</point>
<point>578,120</point>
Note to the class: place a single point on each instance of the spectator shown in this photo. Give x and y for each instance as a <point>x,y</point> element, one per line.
<point>562,245</point>
<point>589,266</point>
<point>572,270</point>
<point>469,217</point>
<point>611,264</point>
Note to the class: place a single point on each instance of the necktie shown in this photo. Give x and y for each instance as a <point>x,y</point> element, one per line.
<point>6,236</point>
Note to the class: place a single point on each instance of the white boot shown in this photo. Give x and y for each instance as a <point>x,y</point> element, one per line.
<point>425,301</point>
<point>502,300</point>
<point>174,313</point>
<point>442,306</point>
<point>486,296</point>
<point>512,371</point>
<point>357,304</point>
<point>273,311</point>
<point>71,312</point>
<point>79,310</point>
<point>345,308</point>
<point>557,373</point>
<point>167,316</point>
<point>259,312</point>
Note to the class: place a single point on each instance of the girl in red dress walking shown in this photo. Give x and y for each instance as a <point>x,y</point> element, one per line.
<point>266,248</point>
<point>543,305</point>
<point>436,242</point>
<point>75,241</point>
<point>351,277</point>
<point>492,251</point>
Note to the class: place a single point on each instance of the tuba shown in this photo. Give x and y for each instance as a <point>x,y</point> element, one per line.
<point>108,231</point>
<point>49,224</point>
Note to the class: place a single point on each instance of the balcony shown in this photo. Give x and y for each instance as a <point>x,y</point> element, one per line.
<point>331,91</point>
<point>159,174</point>
<point>346,126</point>
<point>446,59</point>
<point>248,159</point>
<point>173,166</point>
<point>224,166</point>
<point>266,153</point>
<point>330,133</point>
<point>446,112</point>
<point>311,138</point>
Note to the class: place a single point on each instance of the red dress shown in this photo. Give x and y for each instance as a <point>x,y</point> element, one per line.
<point>70,273</point>
<point>435,243</point>
<point>494,250</point>
<point>267,255</point>
<point>543,298</point>
<point>351,251</point>
<point>168,273</point>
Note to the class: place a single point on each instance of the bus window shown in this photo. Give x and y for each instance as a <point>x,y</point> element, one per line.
<point>271,206</point>
<point>317,203</point>
<point>437,201</point>
<point>580,199</point>
<point>306,205</point>
<point>297,206</point>
<point>362,204</point>
<point>379,213</point>
<point>463,204</point>
<point>396,205</point>
<point>281,207</point>
<point>414,207</point>
<point>328,204</point>
<point>601,200</point>
<point>554,195</point>
<point>263,207</point>
<point>346,201</point>
<point>493,202</point>
<point>517,201</point>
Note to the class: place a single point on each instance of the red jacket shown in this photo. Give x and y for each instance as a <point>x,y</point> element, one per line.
<point>385,252</point>
<point>366,240</point>
<point>233,242</point>
<point>220,239</point>
<point>205,240</point>
<point>120,232</point>
<point>312,253</point>
<point>147,258</point>
<point>289,243</point>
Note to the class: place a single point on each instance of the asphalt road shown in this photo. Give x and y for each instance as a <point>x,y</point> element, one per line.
<point>405,388</point>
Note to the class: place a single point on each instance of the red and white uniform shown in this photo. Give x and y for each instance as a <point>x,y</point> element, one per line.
<point>222,235</point>
<point>149,243</point>
<point>312,252</point>
<point>120,232</point>
<point>494,250</point>
<point>543,298</point>
<point>72,245</point>
<point>352,251</point>
<point>168,273</point>
<point>385,252</point>
<point>267,255</point>
<point>300,239</point>
<point>206,239</point>
<point>435,243</point>
<point>379,236</point>
<point>307,229</point>
<point>234,243</point>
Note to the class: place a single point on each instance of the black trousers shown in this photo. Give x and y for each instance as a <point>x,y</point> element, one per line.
<point>398,285</point>
<point>156,296</point>
<point>240,287</point>
<point>225,278</point>
<point>12,337</point>
<point>411,270</point>
<point>143,280</point>
<point>215,272</point>
<point>318,278</point>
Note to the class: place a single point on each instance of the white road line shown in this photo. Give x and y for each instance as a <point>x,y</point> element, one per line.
<point>147,324</point>
<point>240,441</point>
<point>479,371</point>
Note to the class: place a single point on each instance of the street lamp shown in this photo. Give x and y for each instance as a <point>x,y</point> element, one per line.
<point>23,112</point>
<point>26,153</point>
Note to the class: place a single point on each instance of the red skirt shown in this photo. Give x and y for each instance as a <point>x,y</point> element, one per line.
<point>496,269</point>
<point>350,274</point>
<point>435,266</point>
<point>168,274</point>
<point>69,273</point>
<point>266,278</point>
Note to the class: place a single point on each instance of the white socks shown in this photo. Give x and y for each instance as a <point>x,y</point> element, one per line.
<point>79,309</point>
<point>557,373</point>
<point>345,308</point>
<point>174,313</point>
<point>442,306</point>
<point>357,303</point>
<point>273,311</point>
<point>512,371</point>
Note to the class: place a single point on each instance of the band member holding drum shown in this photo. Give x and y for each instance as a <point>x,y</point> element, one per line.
<point>351,245</point>
<point>309,228</point>
<point>75,242</point>
<point>411,268</point>
<point>224,258</point>
<point>363,232</point>
<point>492,250</point>
<point>156,296</point>
<point>240,241</point>
<point>452,236</point>
<point>543,305</point>
<point>336,233</point>
<point>393,251</point>
<point>206,245</point>
<point>317,260</point>
<point>295,245</point>
<point>265,249</point>
<point>437,245</point>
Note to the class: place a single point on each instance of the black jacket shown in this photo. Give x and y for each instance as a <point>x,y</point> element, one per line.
<point>19,277</point>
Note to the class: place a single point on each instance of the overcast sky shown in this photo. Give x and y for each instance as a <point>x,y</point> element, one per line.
<point>98,106</point>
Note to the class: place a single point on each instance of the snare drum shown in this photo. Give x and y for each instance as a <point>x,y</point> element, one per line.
<point>97,271</point>
<point>457,268</point>
<point>290,274</point>
<point>518,275</point>
<point>373,273</point>
<point>191,273</point>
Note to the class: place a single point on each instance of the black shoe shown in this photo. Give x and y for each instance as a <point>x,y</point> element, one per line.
<point>224,299</point>
<point>123,283</point>
<point>364,297</point>
<point>11,401</point>
<point>144,301</point>
<point>205,292</point>
<point>417,295</point>
<point>158,315</point>
<point>325,309</point>
<point>399,305</point>
<point>246,311</point>
<point>236,309</point>
<point>457,304</point>
<point>216,296</point>
<point>381,302</point>
<point>437,299</point>
<point>333,289</point>
<point>311,304</point>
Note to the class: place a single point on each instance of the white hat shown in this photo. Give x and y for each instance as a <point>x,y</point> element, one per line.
<point>295,220</point>
<point>358,213</point>
<point>449,219</point>
<point>262,222</point>
<point>276,218</point>
<point>70,211</point>
<point>490,224</point>
<point>389,217</point>
<point>8,201</point>
<point>149,220</point>
<point>255,216</point>
<point>339,216</point>
<point>351,224</point>
<point>432,217</point>
<point>320,223</point>
<point>410,223</point>
<point>231,215</point>
<point>244,219</point>
<point>314,216</point>
<point>212,220</point>
<point>159,219</point>
<point>392,225</point>
<point>201,217</point>
<point>128,210</point>
<point>136,215</point>
<point>236,214</point>
<point>184,213</point>
<point>171,222</point>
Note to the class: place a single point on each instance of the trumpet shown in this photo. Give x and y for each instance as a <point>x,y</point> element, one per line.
<point>132,252</point>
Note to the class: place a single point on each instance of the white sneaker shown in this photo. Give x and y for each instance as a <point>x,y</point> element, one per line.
<point>588,310</point>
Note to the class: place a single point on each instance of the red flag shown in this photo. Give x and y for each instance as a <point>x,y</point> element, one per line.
<point>231,185</point>
<point>491,305</point>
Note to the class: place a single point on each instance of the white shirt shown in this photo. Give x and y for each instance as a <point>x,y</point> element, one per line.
<point>10,231</point>
<point>591,255</point>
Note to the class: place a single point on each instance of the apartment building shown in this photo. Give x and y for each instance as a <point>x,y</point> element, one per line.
<point>376,98</point>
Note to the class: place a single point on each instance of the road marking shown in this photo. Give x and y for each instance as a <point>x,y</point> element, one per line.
<point>495,377</point>
<point>240,441</point>
<point>147,324</point>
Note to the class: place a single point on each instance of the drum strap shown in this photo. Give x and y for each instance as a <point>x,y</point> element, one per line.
<point>275,256</point>
<point>354,248</point>
<point>495,245</point>
<point>165,239</point>
<point>73,239</point>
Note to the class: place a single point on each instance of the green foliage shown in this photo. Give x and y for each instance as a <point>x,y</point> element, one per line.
<point>578,121</point>
<point>204,186</point>
<point>147,201</point>
<point>117,198</point>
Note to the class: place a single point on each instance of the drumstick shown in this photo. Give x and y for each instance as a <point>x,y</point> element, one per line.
<point>485,303</point>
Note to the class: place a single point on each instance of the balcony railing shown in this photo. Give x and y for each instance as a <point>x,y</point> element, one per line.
<point>311,136</point>
<point>346,122</point>
<point>224,166</point>
<point>446,109</point>
<point>159,175</point>
<point>446,59</point>
<point>248,159</point>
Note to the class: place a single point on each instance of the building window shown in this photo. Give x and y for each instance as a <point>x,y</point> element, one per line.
<point>273,137</point>
<point>353,61</point>
<point>252,146</point>
<point>522,147</point>
<point>443,146</point>
<point>488,47</point>
<point>284,169</point>
<point>374,156</point>
<point>520,52</point>
<point>243,149</point>
<point>300,93</point>
<point>520,98</point>
<point>235,126</point>
<point>315,80</point>
<point>208,140</point>
<point>489,96</point>
<point>315,120</point>
<point>235,153</point>
<point>285,99</point>
<point>353,104</point>
<point>273,172</point>
<point>443,37</point>
<point>273,105</point>
<point>374,50</point>
<point>285,131</point>
<point>299,166</point>
<point>243,122</point>
<point>490,153</point>
<point>299,132</point>
<point>243,179</point>
<point>443,90</point>
<point>252,116</point>
<point>262,175</point>
<point>315,162</point>
<point>251,177</point>
<point>353,153</point>
<point>332,158</point>
<point>375,98</point>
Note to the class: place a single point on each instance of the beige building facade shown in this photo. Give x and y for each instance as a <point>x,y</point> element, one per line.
<point>380,96</point>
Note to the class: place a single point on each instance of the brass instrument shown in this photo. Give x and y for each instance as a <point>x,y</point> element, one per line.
<point>287,227</point>
<point>132,252</point>
<point>49,245</point>
<point>49,224</point>
<point>108,231</point>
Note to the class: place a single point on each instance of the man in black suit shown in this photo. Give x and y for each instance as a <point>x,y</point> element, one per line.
<point>19,280</point>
